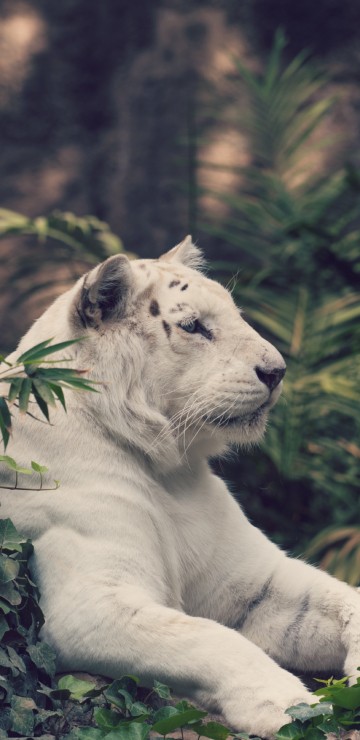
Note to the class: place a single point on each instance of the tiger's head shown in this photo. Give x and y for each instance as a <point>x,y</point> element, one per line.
<point>182,372</point>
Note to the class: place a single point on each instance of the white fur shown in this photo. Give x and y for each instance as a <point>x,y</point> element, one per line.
<point>146,564</point>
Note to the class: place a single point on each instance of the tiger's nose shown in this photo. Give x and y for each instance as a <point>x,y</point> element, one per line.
<point>272,377</point>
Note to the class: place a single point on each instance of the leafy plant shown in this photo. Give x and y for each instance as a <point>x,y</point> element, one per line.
<point>337,712</point>
<point>25,662</point>
<point>86,234</point>
<point>293,237</point>
<point>338,550</point>
<point>53,248</point>
<point>31,383</point>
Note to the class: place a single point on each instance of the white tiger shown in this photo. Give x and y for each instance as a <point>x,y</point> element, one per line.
<point>146,564</point>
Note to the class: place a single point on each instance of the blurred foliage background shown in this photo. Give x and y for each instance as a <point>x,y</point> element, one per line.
<point>205,117</point>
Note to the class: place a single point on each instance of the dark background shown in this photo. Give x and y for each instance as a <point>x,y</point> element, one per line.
<point>100,103</point>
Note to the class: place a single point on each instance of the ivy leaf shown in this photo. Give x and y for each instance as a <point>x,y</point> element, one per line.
<point>4,627</point>
<point>10,539</point>
<point>42,715</point>
<point>164,726</point>
<point>293,731</point>
<point>87,733</point>
<point>16,660</point>
<point>164,713</point>
<point>38,468</point>
<point>139,710</point>
<point>106,718</point>
<point>118,696</point>
<point>10,593</point>
<point>43,656</point>
<point>9,568</point>
<point>4,607</point>
<point>11,463</point>
<point>75,686</point>
<point>21,715</point>
<point>213,730</point>
<point>132,731</point>
<point>5,661</point>
<point>329,725</point>
<point>162,690</point>
<point>304,711</point>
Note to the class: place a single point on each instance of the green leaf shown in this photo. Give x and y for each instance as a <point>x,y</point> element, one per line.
<point>213,730</point>
<point>119,696</point>
<point>36,348</point>
<point>162,690</point>
<point>41,403</point>
<point>347,698</point>
<point>43,656</point>
<point>164,713</point>
<point>10,538</point>
<point>21,715</point>
<point>75,686</point>
<point>24,395</point>
<point>11,463</point>
<point>43,715</point>
<point>5,661</point>
<point>4,626</point>
<point>5,413</point>
<point>5,421</point>
<point>292,731</point>
<point>14,389</point>
<point>164,726</point>
<point>304,711</point>
<point>314,733</point>
<point>4,607</point>
<point>38,468</point>
<point>138,709</point>
<point>86,733</point>
<point>16,660</point>
<point>132,731</point>
<point>9,569</point>
<point>329,725</point>
<point>9,592</point>
<point>39,351</point>
<point>57,694</point>
<point>106,718</point>
<point>43,389</point>
<point>58,392</point>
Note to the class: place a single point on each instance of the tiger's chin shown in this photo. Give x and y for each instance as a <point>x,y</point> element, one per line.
<point>245,430</point>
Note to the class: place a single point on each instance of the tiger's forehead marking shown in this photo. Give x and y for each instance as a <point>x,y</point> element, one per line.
<point>179,307</point>
<point>154,308</point>
<point>167,328</point>
<point>156,277</point>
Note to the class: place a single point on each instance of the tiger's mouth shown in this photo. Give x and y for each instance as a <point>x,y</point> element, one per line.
<point>232,421</point>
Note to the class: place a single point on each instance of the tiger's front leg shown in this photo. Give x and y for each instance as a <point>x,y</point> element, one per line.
<point>305,619</point>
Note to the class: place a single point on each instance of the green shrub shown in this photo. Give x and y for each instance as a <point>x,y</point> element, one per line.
<point>293,237</point>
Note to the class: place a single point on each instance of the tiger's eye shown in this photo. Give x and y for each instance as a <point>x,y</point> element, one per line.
<point>191,327</point>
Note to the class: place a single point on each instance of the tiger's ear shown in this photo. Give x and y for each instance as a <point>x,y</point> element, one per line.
<point>105,292</point>
<point>186,253</point>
